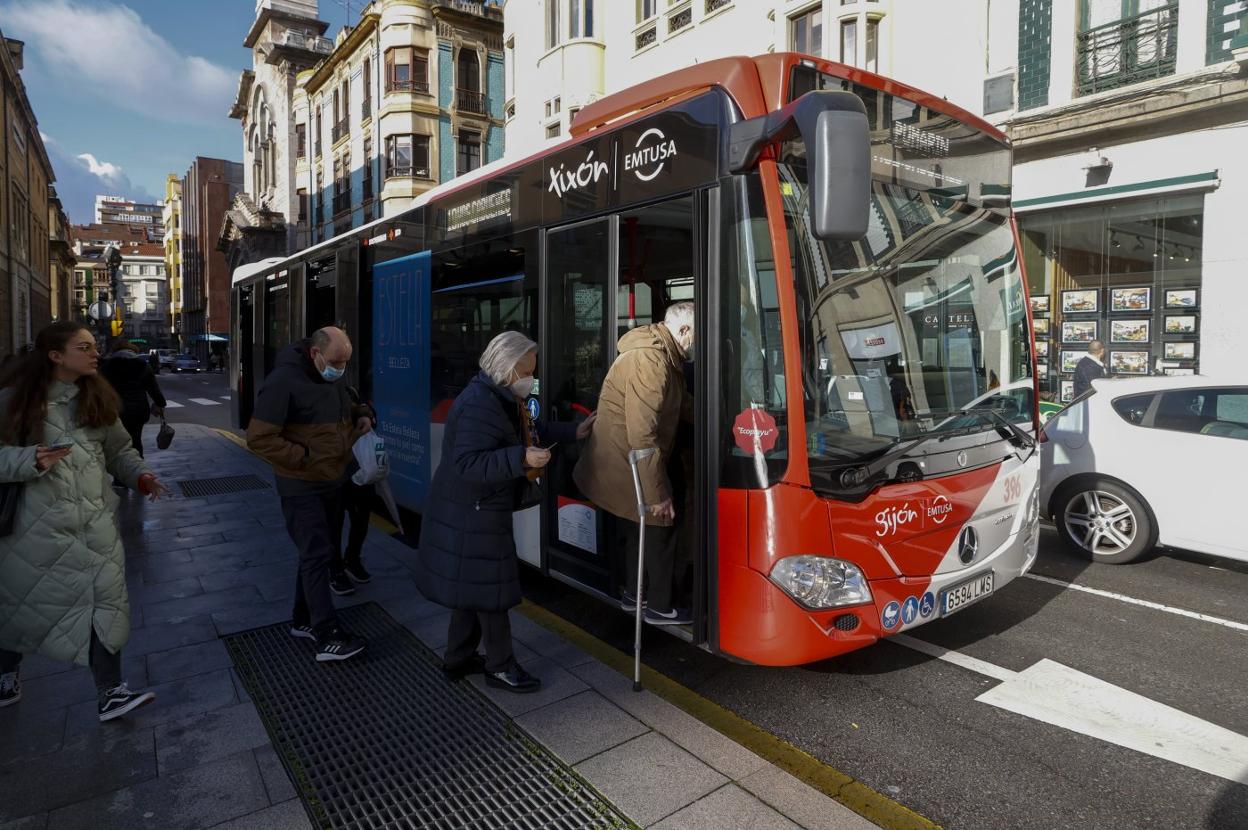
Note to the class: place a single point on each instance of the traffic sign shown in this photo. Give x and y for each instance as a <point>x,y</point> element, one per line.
<point>100,310</point>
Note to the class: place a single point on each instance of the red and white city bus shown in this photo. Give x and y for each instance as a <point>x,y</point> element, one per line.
<point>861,458</point>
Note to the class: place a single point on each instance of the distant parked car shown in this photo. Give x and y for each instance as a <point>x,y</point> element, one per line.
<point>1144,461</point>
<point>186,363</point>
<point>166,357</point>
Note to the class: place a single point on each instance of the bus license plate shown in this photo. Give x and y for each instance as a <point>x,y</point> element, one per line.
<point>964,594</point>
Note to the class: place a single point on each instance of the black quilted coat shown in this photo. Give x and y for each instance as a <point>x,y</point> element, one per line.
<point>467,555</point>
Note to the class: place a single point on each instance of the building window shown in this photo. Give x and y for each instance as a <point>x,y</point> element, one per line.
<point>366,182</point>
<point>646,9</point>
<point>342,185</point>
<point>1121,43</point>
<point>806,32</point>
<point>552,23</point>
<point>320,199</point>
<point>301,141</point>
<point>873,45</point>
<point>469,152</point>
<point>407,70</point>
<point>366,105</point>
<point>552,131</point>
<point>580,18</point>
<point>320,130</point>
<point>849,42</point>
<point>509,77</point>
<point>302,194</point>
<point>407,155</point>
<point>469,97</point>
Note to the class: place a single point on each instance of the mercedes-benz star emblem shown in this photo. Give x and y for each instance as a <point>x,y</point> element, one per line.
<point>968,545</point>
<point>962,458</point>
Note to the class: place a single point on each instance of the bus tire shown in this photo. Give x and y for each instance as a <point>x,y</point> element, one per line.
<point>1104,520</point>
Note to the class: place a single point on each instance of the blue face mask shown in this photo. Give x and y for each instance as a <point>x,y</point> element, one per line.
<point>331,373</point>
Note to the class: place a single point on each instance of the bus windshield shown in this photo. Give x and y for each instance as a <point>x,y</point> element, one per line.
<point>924,318</point>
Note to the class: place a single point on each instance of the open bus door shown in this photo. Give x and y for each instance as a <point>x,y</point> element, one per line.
<point>602,278</point>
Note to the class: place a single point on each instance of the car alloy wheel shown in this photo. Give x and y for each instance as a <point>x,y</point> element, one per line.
<point>1100,522</point>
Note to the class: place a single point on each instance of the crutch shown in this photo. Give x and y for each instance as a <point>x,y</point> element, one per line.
<point>635,457</point>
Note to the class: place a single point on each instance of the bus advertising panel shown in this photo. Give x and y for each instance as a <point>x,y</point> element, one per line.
<point>401,323</point>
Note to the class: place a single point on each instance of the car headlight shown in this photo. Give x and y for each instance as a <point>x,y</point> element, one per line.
<point>820,582</point>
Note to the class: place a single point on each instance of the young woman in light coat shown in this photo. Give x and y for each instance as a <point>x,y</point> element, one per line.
<point>62,568</point>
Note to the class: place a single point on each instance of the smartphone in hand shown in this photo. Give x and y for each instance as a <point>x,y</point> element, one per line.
<point>61,445</point>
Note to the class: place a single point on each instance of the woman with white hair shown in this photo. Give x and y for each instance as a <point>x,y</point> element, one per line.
<point>467,562</point>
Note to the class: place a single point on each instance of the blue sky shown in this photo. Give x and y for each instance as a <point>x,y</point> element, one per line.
<point>127,91</point>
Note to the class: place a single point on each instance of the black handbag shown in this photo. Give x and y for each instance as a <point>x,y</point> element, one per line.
<point>10,498</point>
<point>528,494</point>
<point>165,437</point>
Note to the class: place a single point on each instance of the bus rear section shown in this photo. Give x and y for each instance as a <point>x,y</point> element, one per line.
<point>881,471</point>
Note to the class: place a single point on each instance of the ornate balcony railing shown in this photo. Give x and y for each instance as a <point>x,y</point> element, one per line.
<point>312,43</point>
<point>715,5</point>
<point>339,130</point>
<point>416,172</point>
<point>366,109</point>
<point>342,202</point>
<point>1130,50</point>
<point>469,100</point>
<point>411,85</point>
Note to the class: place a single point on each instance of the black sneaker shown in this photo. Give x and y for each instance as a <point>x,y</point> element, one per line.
<point>338,644</point>
<point>119,701</point>
<point>302,630</point>
<point>457,671</point>
<point>10,688</point>
<point>357,573</point>
<point>341,585</point>
<point>517,680</point>
<point>676,616</point>
<point>628,602</point>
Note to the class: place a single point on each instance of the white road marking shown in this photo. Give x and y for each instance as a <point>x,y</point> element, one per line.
<point>1061,696</point>
<point>956,657</point>
<point>205,401</point>
<point>1182,612</point>
<point>227,397</point>
<point>172,404</point>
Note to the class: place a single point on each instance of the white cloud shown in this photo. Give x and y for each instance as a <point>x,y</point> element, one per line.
<point>79,179</point>
<point>106,51</point>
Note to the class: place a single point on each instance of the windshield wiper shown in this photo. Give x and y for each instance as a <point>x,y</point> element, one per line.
<point>858,477</point>
<point>1017,436</point>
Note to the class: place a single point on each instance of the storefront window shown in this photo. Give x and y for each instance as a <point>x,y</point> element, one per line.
<point>1127,274</point>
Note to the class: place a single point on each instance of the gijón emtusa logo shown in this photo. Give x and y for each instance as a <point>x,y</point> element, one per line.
<point>649,154</point>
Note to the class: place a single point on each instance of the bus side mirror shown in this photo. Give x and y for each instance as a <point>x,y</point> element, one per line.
<point>833,127</point>
<point>838,167</point>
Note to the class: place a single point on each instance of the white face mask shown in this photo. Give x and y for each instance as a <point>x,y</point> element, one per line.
<point>522,387</point>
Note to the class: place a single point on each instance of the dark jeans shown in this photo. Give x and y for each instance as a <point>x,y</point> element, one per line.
<point>469,628</point>
<point>358,505</point>
<point>315,524</point>
<point>660,560</point>
<point>105,666</point>
<point>134,426</point>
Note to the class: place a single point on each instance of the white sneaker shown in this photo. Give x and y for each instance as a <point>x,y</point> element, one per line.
<point>119,701</point>
<point>10,688</point>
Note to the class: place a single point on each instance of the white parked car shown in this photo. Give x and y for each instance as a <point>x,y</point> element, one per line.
<point>1146,461</point>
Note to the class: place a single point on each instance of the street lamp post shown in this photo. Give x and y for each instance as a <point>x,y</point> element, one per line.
<point>111,258</point>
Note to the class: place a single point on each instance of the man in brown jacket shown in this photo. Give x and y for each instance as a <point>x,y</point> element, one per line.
<point>305,425</point>
<point>640,407</point>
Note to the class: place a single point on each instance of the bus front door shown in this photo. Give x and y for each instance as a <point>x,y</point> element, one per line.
<point>604,278</point>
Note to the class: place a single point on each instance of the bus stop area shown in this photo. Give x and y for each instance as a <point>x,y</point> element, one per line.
<point>247,731</point>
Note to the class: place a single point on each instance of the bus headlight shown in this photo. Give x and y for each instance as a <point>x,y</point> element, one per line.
<point>820,582</point>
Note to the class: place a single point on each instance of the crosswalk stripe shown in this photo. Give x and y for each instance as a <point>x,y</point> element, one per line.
<point>172,404</point>
<point>205,402</point>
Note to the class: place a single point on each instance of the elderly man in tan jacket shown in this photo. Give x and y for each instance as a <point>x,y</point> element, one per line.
<point>640,407</point>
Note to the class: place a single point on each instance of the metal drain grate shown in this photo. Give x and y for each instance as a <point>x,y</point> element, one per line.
<point>386,741</point>
<point>197,487</point>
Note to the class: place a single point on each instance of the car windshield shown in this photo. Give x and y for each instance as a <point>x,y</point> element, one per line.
<point>925,317</point>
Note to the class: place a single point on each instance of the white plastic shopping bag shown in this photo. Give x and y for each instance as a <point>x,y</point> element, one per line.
<point>370,454</point>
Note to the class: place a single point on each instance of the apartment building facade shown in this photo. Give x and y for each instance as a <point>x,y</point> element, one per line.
<point>171,220</point>
<point>209,188</point>
<point>1129,182</point>
<point>410,96</point>
<point>26,178</point>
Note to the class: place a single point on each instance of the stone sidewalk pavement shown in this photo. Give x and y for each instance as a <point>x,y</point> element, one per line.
<point>199,756</point>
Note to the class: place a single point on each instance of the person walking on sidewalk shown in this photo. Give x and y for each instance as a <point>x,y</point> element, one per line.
<point>63,567</point>
<point>304,425</point>
<point>131,376</point>
<point>467,556</point>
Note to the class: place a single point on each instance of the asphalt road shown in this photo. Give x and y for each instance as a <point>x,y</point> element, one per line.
<point>908,725</point>
<point>199,398</point>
